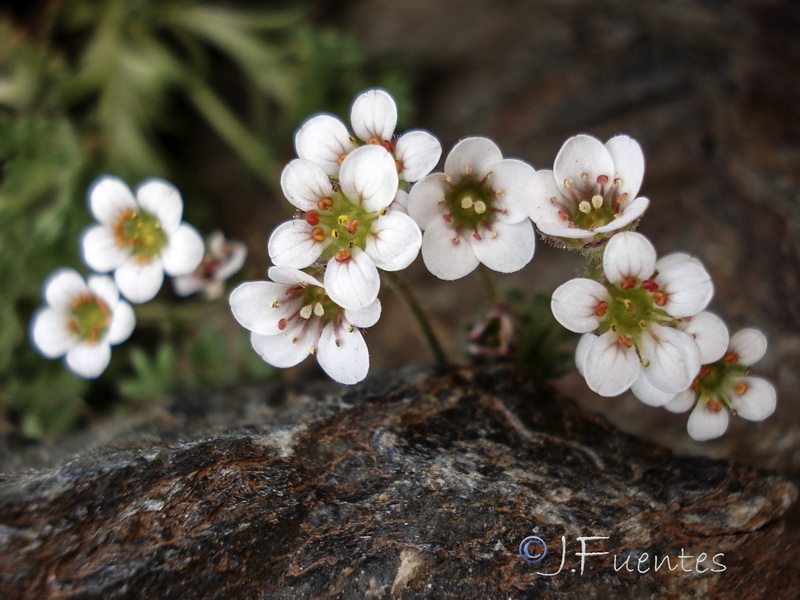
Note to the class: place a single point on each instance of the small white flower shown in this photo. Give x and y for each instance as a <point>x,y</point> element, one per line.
<point>346,226</point>
<point>591,192</point>
<point>725,387</point>
<point>325,140</point>
<point>139,238</point>
<point>292,316</point>
<point>82,320</point>
<point>222,259</point>
<point>630,321</point>
<point>474,212</point>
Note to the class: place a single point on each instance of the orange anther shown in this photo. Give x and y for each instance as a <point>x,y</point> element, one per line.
<point>312,217</point>
<point>318,233</point>
<point>649,285</point>
<point>731,358</point>
<point>703,372</point>
<point>324,203</point>
<point>601,308</point>
<point>341,158</point>
<point>352,226</point>
<point>660,298</point>
<point>627,283</point>
<point>741,387</point>
<point>343,256</point>
<point>715,405</point>
<point>602,179</point>
<point>282,324</point>
<point>624,340</point>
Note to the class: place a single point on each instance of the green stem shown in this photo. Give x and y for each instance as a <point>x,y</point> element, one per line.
<point>488,284</point>
<point>399,285</point>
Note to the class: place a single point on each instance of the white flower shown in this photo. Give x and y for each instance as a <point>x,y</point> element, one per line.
<point>725,387</point>
<point>474,212</point>
<point>591,192</point>
<point>222,259</point>
<point>347,226</point>
<point>82,320</point>
<point>139,238</point>
<point>629,321</point>
<point>325,140</point>
<point>292,316</point>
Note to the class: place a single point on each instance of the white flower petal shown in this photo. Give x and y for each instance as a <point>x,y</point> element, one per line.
<point>100,249</point>
<point>400,202</point>
<point>109,196</point>
<point>418,152</point>
<point>628,163</point>
<point>394,242</point>
<point>343,354</point>
<point>162,199</point>
<point>184,251</point>
<point>50,333</point>
<point>290,276</point>
<point>374,116</point>
<point>123,322</point>
<point>304,183</point>
<point>288,349</point>
<point>574,304</point>
<point>706,424</point>
<point>608,367</point>
<point>323,139</point>
<point>510,249</point>
<point>260,305</point>
<point>186,285</point>
<point>354,283</point>
<point>709,333</point>
<point>628,254</point>
<point>649,394</point>
<point>62,287</point>
<point>580,161</point>
<point>682,401</point>
<point>582,348</point>
<point>673,357</point>
<point>472,157</point>
<point>543,201</point>
<point>749,345</point>
<point>509,180</point>
<point>687,286</point>
<point>445,253</point>
<point>235,261</point>
<point>630,212</point>
<point>368,177</point>
<point>104,288</point>
<point>139,282</point>
<point>89,360</point>
<point>364,317</point>
<point>758,402</point>
<point>426,199</point>
<point>291,245</point>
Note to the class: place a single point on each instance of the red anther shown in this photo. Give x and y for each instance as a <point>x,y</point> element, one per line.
<point>477,235</point>
<point>342,256</point>
<point>731,358</point>
<point>624,340</point>
<point>660,298</point>
<point>352,226</point>
<point>563,215</point>
<point>318,233</point>
<point>703,372</point>
<point>448,218</point>
<point>282,324</point>
<point>622,198</point>
<point>715,406</point>
<point>741,387</point>
<point>601,308</point>
<point>312,217</point>
<point>602,179</point>
<point>650,285</point>
<point>341,157</point>
<point>388,145</point>
<point>627,283</point>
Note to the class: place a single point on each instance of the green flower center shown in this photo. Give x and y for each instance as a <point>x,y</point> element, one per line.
<point>717,383</point>
<point>347,224</point>
<point>142,232</point>
<point>90,318</point>
<point>469,204</point>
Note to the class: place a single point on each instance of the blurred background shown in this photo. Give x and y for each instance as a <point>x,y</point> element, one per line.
<point>208,94</point>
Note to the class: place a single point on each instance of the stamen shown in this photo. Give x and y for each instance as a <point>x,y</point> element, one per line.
<point>601,308</point>
<point>597,201</point>
<point>649,285</point>
<point>585,176</point>
<point>731,358</point>
<point>318,234</point>
<point>342,220</point>
<point>282,324</point>
<point>312,217</point>
<point>618,182</point>
<point>585,207</point>
<point>466,202</point>
<point>324,203</point>
<point>319,310</point>
<point>713,404</point>
<point>306,311</point>
<point>480,207</point>
<point>628,283</point>
<point>342,256</point>
<point>492,234</point>
<point>275,304</point>
<point>741,387</point>
<point>660,298</point>
<point>567,183</point>
<point>341,158</point>
<point>468,169</point>
<point>624,340</point>
<point>602,179</point>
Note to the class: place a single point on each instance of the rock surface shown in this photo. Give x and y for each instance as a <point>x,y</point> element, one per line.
<point>415,484</point>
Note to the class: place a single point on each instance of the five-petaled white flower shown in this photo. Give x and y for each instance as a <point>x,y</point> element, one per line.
<point>724,387</point>
<point>222,259</point>
<point>324,139</point>
<point>139,238</point>
<point>474,212</point>
<point>628,321</point>
<point>82,320</point>
<point>347,226</point>
<point>591,192</point>
<point>292,316</point>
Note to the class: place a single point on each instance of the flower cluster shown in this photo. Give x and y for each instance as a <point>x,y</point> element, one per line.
<point>138,238</point>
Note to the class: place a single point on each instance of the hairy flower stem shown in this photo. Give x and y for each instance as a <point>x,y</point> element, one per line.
<point>399,285</point>
<point>488,284</point>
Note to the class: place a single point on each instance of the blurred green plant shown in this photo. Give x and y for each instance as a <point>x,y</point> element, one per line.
<point>114,86</point>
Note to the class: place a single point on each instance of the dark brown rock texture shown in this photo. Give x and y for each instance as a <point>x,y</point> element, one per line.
<point>415,484</point>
